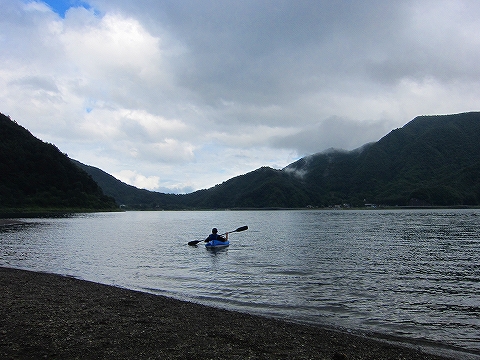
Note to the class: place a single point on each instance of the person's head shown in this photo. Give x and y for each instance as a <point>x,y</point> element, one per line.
<point>214,230</point>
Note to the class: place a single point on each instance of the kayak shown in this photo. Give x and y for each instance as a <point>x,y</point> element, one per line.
<point>217,244</point>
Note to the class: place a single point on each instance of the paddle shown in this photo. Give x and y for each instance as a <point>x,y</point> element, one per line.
<point>242,228</point>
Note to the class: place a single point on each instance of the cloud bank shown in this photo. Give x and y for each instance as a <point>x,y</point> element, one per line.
<point>176,96</point>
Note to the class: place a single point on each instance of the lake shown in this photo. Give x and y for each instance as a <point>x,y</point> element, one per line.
<point>412,274</point>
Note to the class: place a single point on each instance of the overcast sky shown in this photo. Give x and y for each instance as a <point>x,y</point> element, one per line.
<point>180,95</point>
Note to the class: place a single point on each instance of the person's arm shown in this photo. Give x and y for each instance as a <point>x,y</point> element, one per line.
<point>223,238</point>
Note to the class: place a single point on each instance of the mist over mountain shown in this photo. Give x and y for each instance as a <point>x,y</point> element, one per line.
<point>431,161</point>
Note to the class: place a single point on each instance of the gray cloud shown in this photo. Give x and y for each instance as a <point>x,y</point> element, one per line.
<point>334,133</point>
<point>36,83</point>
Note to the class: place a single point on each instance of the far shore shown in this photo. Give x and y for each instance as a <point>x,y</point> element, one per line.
<point>4,222</point>
<point>57,317</point>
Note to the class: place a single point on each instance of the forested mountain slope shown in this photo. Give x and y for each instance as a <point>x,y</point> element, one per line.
<point>432,160</point>
<point>36,175</point>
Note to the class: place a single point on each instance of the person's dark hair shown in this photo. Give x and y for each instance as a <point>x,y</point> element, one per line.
<point>214,230</point>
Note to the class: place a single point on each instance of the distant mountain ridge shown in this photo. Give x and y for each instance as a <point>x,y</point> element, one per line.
<point>431,161</point>
<point>129,196</point>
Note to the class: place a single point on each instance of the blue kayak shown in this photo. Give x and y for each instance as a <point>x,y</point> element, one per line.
<point>217,244</point>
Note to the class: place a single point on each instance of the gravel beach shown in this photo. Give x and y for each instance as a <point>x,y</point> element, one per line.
<point>56,317</point>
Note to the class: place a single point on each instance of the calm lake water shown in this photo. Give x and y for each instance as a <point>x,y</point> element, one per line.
<point>411,274</point>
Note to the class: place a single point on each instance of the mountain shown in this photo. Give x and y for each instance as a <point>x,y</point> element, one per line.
<point>129,196</point>
<point>431,161</point>
<point>36,175</point>
<point>264,187</point>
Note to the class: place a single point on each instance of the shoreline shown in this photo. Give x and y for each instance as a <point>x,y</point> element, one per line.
<point>7,222</point>
<point>59,317</point>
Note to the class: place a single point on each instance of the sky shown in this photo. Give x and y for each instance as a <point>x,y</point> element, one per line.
<point>180,95</point>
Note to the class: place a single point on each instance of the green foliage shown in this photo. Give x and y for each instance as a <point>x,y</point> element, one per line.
<point>34,174</point>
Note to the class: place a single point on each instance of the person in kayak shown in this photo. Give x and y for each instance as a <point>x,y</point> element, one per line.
<point>215,236</point>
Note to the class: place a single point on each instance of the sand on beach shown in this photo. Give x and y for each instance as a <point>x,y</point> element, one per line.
<point>57,317</point>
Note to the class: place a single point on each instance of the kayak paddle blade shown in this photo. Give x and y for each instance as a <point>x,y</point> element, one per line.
<point>243,228</point>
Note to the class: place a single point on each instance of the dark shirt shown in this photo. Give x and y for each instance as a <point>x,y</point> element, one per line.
<point>215,237</point>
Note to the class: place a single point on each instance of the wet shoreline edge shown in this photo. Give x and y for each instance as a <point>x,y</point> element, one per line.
<point>55,316</point>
